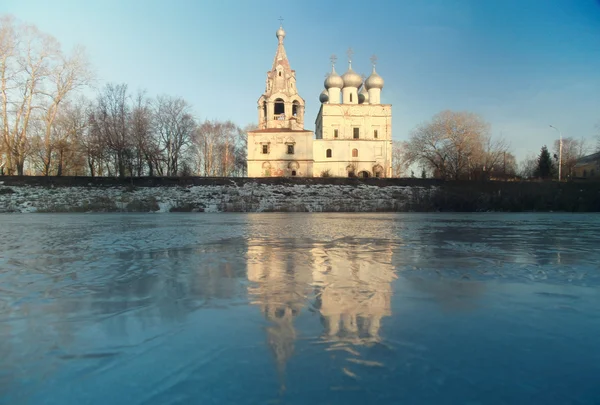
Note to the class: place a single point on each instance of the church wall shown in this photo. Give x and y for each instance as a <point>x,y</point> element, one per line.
<point>278,162</point>
<point>369,154</point>
<point>374,153</point>
<point>345,117</point>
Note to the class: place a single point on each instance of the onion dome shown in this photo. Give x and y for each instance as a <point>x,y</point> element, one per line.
<point>363,94</point>
<point>324,97</point>
<point>351,78</point>
<point>280,33</point>
<point>333,80</point>
<point>374,81</point>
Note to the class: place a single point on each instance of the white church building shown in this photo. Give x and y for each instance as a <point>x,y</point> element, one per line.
<point>353,129</point>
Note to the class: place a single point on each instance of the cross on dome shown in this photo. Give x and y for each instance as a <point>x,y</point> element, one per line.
<point>350,52</point>
<point>280,21</point>
<point>374,60</point>
<point>333,59</point>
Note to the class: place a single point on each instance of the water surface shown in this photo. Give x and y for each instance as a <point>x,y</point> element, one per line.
<point>299,309</point>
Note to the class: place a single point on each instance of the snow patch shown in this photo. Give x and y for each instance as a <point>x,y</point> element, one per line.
<point>250,197</point>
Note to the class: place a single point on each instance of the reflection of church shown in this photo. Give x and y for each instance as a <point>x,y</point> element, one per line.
<point>353,129</point>
<point>280,287</point>
<point>352,294</point>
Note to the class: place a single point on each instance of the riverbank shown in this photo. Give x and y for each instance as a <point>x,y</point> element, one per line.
<point>196,194</point>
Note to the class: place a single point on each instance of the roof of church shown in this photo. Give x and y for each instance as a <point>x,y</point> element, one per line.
<point>588,159</point>
<point>280,55</point>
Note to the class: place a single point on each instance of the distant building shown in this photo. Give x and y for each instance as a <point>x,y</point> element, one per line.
<point>587,167</point>
<point>353,128</point>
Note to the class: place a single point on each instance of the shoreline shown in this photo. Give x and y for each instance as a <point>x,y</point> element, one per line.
<point>196,194</point>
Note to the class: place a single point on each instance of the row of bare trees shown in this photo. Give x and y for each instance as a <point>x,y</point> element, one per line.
<point>48,128</point>
<point>123,134</point>
<point>454,145</point>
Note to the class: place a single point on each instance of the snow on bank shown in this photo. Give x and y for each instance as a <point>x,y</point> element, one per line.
<point>250,197</point>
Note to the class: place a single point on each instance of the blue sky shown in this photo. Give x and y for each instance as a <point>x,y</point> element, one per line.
<point>520,64</point>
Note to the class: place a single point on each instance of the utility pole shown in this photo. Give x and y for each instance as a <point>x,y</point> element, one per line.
<point>559,152</point>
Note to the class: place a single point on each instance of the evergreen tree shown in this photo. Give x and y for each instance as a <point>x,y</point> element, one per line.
<point>545,167</point>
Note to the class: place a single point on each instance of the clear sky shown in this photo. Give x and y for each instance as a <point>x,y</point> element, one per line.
<point>521,64</point>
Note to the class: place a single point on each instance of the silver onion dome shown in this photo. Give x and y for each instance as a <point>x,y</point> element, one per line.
<point>374,81</point>
<point>280,33</point>
<point>324,97</point>
<point>351,79</point>
<point>333,80</point>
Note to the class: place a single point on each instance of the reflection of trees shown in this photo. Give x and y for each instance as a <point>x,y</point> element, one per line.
<point>281,285</point>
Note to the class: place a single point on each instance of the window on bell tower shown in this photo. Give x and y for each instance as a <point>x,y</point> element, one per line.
<point>279,107</point>
<point>356,132</point>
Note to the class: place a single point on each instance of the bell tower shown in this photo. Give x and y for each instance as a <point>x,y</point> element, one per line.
<point>281,106</point>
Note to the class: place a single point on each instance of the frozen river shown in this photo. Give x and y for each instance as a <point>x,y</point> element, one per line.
<point>299,309</point>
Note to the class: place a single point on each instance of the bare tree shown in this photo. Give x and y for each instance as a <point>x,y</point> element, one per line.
<point>174,126</point>
<point>206,146</point>
<point>35,80</point>
<point>528,166</point>
<point>8,55</point>
<point>450,145</point>
<point>109,121</point>
<point>26,68</point>
<point>147,152</point>
<point>400,158</point>
<point>572,150</point>
<point>66,76</point>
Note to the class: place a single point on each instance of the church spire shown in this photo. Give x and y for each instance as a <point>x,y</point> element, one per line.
<point>281,106</point>
<point>280,55</point>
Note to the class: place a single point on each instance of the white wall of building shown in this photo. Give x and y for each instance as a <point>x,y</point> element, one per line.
<point>336,126</point>
<point>277,162</point>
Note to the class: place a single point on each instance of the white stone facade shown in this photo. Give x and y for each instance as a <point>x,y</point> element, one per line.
<point>353,140</point>
<point>353,130</point>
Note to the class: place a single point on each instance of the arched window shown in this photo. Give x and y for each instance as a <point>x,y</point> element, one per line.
<point>354,152</point>
<point>295,108</point>
<point>328,153</point>
<point>265,110</point>
<point>279,107</point>
<point>350,97</point>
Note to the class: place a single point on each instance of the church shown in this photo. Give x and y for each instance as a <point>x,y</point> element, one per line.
<point>353,129</point>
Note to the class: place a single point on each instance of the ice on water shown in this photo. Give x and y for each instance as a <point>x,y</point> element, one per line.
<point>299,308</point>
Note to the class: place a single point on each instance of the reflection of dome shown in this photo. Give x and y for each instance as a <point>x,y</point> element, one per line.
<point>351,79</point>
<point>280,33</point>
<point>324,97</point>
<point>374,81</point>
<point>334,80</point>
